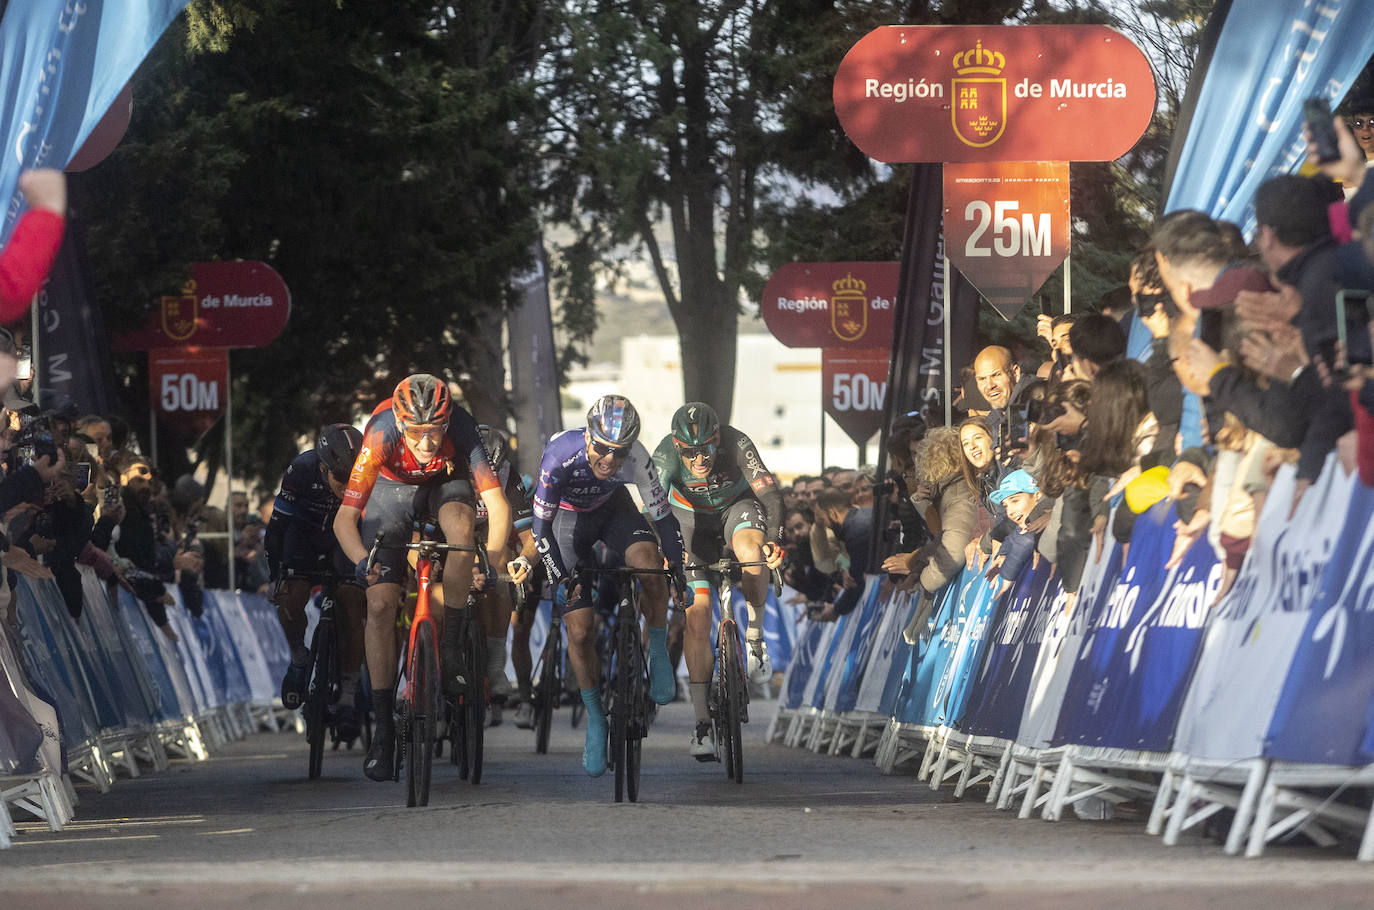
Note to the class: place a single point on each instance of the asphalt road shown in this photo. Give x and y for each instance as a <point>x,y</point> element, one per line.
<point>247,829</point>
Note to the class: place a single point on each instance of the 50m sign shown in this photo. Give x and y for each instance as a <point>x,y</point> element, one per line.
<point>189,387</point>
<point>854,389</point>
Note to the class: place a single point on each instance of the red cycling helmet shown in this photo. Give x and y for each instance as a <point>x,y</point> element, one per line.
<point>421,398</point>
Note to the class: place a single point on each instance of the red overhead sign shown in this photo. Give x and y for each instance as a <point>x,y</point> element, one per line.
<point>189,386</point>
<point>1007,226</point>
<point>238,304</point>
<point>832,304</point>
<point>994,93</point>
<point>853,389</point>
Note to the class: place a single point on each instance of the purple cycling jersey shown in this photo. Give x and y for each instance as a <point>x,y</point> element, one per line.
<point>566,481</point>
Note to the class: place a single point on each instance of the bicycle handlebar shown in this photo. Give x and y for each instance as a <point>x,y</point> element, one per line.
<point>723,566</point>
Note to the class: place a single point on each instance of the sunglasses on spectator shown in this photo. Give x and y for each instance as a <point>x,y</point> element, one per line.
<point>1359,123</point>
<point>693,452</point>
<point>415,432</point>
<point>616,452</point>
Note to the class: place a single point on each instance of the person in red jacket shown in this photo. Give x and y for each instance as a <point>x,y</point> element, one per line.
<point>28,257</point>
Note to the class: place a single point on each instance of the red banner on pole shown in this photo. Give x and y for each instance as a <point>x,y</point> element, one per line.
<point>189,386</point>
<point>832,304</point>
<point>959,93</point>
<point>239,304</point>
<point>1007,226</point>
<point>854,388</point>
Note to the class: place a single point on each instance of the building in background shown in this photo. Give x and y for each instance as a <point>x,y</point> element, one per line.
<point>777,398</point>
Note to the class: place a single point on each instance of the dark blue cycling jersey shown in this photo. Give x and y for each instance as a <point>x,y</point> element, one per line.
<point>304,499</point>
<point>566,481</point>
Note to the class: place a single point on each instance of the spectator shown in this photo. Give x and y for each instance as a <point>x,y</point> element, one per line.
<point>138,538</point>
<point>949,506</point>
<point>97,429</point>
<point>800,569</point>
<point>996,375</point>
<point>853,527</point>
<point>1096,340</point>
<point>32,249</point>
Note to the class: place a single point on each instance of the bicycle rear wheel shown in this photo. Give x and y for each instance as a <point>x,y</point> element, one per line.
<point>732,674</point>
<point>423,685</point>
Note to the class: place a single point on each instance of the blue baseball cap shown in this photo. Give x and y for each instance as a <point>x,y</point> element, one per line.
<point>1017,481</point>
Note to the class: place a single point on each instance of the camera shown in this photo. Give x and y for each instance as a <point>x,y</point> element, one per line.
<point>35,440</point>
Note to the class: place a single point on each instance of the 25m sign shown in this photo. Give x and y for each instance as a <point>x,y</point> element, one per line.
<point>189,387</point>
<point>1007,226</point>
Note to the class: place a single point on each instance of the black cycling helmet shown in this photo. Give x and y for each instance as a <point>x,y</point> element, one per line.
<point>696,424</point>
<point>494,441</point>
<point>337,447</point>
<point>613,421</point>
<point>421,398</point>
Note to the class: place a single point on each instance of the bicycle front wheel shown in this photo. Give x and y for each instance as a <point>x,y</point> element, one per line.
<point>476,700</point>
<point>423,720</point>
<point>316,702</point>
<point>547,693</point>
<point>732,673</point>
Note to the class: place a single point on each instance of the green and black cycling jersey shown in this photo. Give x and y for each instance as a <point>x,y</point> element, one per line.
<point>738,472</point>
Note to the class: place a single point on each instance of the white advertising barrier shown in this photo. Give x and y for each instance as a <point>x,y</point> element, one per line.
<point>1255,629</point>
<point>192,656</point>
<point>1064,636</point>
<point>896,613</point>
<point>249,650</point>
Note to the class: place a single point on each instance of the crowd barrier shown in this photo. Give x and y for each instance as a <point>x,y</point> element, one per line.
<point>112,694</point>
<point>1260,704</point>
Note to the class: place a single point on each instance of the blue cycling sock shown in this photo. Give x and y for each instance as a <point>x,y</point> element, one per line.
<point>594,752</point>
<point>662,684</point>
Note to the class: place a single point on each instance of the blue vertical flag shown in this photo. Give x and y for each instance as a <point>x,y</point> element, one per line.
<point>64,61</point>
<point>1247,123</point>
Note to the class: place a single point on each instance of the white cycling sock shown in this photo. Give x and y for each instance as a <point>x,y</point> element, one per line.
<point>699,705</point>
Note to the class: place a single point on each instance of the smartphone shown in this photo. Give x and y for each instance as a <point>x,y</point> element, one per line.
<point>1046,308</point>
<point>25,368</point>
<point>81,475</point>
<point>1352,314</point>
<point>1316,113</point>
<point>111,494</point>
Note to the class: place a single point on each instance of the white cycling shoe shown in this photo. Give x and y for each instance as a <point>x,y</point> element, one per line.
<point>760,668</point>
<point>703,744</point>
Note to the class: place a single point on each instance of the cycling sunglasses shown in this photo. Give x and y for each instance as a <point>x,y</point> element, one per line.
<point>616,452</point>
<point>706,450</point>
<point>418,431</point>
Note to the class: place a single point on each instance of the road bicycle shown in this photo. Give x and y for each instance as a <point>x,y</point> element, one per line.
<point>729,694</point>
<point>628,702</point>
<point>419,703</point>
<point>325,675</point>
<point>468,711</point>
<point>549,676</point>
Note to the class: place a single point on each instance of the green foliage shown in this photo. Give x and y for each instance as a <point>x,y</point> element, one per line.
<point>379,156</point>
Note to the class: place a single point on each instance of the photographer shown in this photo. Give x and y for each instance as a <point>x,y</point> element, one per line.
<point>187,499</point>
<point>138,538</point>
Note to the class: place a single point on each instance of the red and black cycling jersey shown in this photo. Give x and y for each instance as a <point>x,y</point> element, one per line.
<point>384,452</point>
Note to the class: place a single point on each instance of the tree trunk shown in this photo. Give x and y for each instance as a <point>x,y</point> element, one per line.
<point>485,391</point>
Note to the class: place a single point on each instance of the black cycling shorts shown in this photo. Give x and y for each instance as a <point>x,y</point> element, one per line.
<point>707,535</point>
<point>310,552</point>
<point>395,507</point>
<point>617,523</point>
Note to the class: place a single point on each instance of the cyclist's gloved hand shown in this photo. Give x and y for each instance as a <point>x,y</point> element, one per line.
<point>360,571</point>
<point>482,574</point>
<point>679,582</point>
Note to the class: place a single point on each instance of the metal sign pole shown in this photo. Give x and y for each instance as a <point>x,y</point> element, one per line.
<point>229,466</point>
<point>945,319</point>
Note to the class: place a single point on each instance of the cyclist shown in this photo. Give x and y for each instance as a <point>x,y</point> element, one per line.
<point>495,605</point>
<point>725,500</point>
<point>580,499</point>
<point>300,544</point>
<point>421,459</point>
